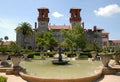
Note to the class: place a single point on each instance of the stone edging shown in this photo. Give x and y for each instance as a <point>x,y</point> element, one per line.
<point>92,78</point>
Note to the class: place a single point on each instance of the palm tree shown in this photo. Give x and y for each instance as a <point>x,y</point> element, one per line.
<point>6,38</point>
<point>26,29</point>
<point>1,39</point>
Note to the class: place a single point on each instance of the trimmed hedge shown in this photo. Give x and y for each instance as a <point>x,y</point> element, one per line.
<point>83,56</point>
<point>86,53</point>
<point>70,54</point>
<point>50,54</point>
<point>30,55</point>
<point>3,79</point>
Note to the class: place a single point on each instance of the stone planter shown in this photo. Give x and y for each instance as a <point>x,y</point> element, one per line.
<point>16,60</point>
<point>117,58</point>
<point>78,54</point>
<point>94,54</point>
<point>42,56</point>
<point>25,56</point>
<point>3,59</point>
<point>105,58</point>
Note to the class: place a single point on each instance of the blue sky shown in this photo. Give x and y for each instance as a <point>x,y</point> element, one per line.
<point>102,13</point>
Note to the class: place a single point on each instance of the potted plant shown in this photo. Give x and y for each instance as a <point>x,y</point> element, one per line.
<point>117,56</point>
<point>3,55</point>
<point>25,53</point>
<point>78,53</point>
<point>94,54</point>
<point>105,57</point>
<point>16,55</point>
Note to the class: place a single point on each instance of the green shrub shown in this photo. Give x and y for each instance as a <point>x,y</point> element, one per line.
<point>50,54</point>
<point>36,53</point>
<point>36,57</point>
<point>70,54</point>
<point>3,79</point>
<point>31,55</point>
<point>83,56</point>
<point>86,53</point>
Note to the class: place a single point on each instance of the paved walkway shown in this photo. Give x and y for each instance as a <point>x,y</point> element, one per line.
<point>106,78</point>
<point>110,78</point>
<point>12,78</point>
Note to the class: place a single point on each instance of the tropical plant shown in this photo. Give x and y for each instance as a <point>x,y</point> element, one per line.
<point>1,39</point>
<point>26,29</point>
<point>6,38</point>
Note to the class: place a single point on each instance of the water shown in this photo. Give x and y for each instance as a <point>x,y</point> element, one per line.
<point>45,68</point>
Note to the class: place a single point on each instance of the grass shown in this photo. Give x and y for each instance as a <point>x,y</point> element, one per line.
<point>36,57</point>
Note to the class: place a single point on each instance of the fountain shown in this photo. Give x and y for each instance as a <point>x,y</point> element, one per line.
<point>60,61</point>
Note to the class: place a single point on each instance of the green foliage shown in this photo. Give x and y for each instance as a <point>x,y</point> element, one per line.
<point>83,56</point>
<point>16,50</point>
<point>45,39</point>
<point>30,55</point>
<point>74,38</point>
<point>36,57</point>
<point>117,49</point>
<point>1,39</point>
<point>6,38</point>
<point>86,54</point>
<point>50,54</point>
<point>3,79</point>
<point>25,28</point>
<point>70,54</point>
<point>2,48</point>
<point>93,46</point>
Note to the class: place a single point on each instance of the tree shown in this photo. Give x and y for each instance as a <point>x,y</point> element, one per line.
<point>45,39</point>
<point>74,38</point>
<point>1,39</point>
<point>26,29</point>
<point>6,38</point>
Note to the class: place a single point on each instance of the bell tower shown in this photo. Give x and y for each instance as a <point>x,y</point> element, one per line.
<point>75,16</point>
<point>43,19</point>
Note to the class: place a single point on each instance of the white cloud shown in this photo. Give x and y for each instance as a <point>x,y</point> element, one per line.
<point>57,14</point>
<point>108,10</point>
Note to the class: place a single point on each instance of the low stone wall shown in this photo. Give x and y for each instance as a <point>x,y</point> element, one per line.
<point>4,69</point>
<point>110,71</point>
<point>84,79</point>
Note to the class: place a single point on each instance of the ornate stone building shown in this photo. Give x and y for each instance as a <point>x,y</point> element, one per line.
<point>43,25</point>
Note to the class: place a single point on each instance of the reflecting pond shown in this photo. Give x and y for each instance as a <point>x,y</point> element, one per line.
<point>45,68</point>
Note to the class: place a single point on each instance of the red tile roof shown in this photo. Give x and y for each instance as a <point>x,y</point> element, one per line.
<point>105,33</point>
<point>59,27</point>
<point>114,41</point>
<point>5,43</point>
